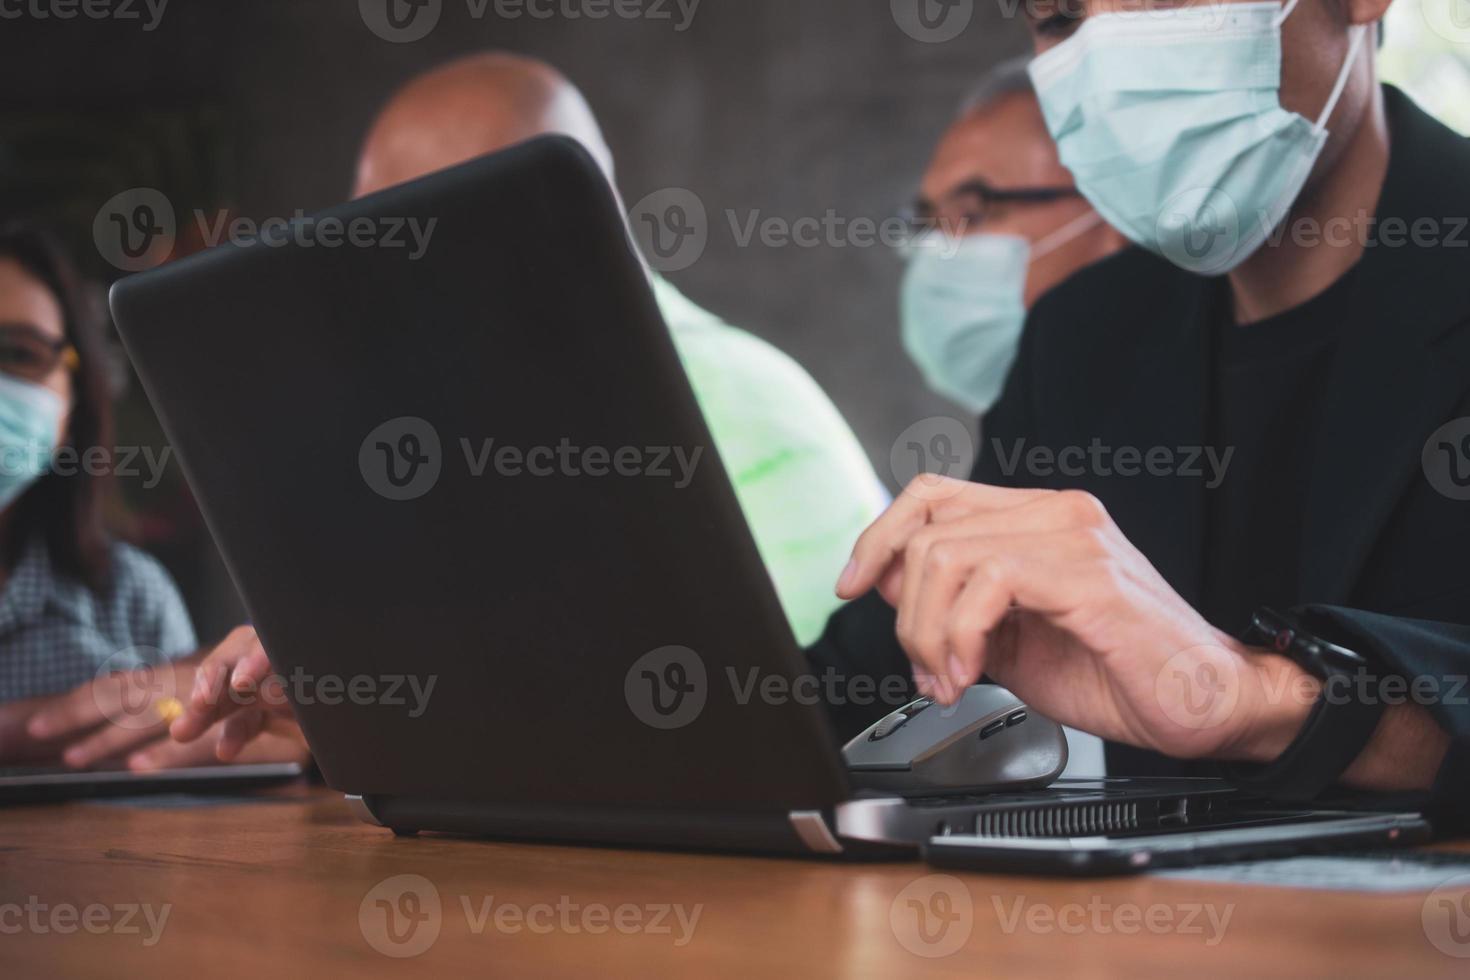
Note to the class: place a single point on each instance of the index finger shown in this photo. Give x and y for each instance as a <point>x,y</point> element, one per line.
<point>207,702</point>
<point>918,506</point>
<point>230,678</point>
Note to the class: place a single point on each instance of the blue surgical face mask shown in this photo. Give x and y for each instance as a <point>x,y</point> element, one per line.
<point>963,306</point>
<point>30,418</point>
<point>1171,122</point>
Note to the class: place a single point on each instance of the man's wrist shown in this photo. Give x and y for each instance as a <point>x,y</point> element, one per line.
<point>1277,698</point>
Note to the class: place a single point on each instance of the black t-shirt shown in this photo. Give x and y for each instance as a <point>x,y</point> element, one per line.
<point>1264,409</point>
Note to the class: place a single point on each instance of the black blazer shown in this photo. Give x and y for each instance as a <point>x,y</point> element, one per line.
<point>1120,353</point>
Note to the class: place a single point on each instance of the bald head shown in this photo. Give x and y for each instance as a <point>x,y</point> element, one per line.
<point>468,108</point>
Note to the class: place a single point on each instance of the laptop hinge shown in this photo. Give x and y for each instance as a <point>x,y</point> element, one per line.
<point>812,828</point>
<point>361,810</point>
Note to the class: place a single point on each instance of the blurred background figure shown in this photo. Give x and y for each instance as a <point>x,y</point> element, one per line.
<point>74,601</point>
<point>73,597</point>
<point>96,646</point>
<point>998,222</point>
<point>804,482</point>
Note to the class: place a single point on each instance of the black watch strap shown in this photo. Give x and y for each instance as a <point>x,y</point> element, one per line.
<point>1339,727</point>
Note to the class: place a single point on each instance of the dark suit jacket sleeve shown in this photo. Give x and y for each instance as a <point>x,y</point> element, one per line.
<point>1430,662</point>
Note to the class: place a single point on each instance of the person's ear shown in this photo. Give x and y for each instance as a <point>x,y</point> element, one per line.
<point>1365,11</point>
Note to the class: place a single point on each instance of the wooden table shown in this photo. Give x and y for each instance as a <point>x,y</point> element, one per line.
<point>293,887</point>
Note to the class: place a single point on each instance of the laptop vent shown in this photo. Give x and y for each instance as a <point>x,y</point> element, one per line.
<point>1078,820</point>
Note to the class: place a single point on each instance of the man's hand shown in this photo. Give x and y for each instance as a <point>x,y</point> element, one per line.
<point>1041,591</point>
<point>283,744</point>
<point>99,721</point>
<point>17,747</point>
<point>237,698</point>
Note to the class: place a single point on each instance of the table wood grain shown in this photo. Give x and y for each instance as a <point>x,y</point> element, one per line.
<point>292,886</point>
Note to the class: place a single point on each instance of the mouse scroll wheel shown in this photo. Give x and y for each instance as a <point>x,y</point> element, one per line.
<point>888,726</point>
<point>917,706</point>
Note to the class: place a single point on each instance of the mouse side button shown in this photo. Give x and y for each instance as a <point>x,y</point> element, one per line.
<point>888,726</point>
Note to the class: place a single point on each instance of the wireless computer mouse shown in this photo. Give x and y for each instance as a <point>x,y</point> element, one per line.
<point>988,741</point>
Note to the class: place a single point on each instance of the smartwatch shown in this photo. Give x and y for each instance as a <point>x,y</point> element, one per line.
<point>1339,727</point>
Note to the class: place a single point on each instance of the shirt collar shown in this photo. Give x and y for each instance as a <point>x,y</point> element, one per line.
<point>681,313</point>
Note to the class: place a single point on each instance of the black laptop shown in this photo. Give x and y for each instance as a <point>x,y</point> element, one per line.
<point>36,784</point>
<point>462,472</point>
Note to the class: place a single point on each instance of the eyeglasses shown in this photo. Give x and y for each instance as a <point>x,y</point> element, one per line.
<point>30,356</point>
<point>974,202</point>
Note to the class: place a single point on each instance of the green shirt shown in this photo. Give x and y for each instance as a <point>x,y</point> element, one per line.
<point>804,483</point>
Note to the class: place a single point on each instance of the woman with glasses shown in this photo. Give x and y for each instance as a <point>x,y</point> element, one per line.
<point>75,604</point>
<point>97,653</point>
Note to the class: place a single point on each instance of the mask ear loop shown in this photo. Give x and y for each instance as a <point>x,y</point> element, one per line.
<point>1355,46</point>
<point>1285,12</point>
<point>1073,229</point>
